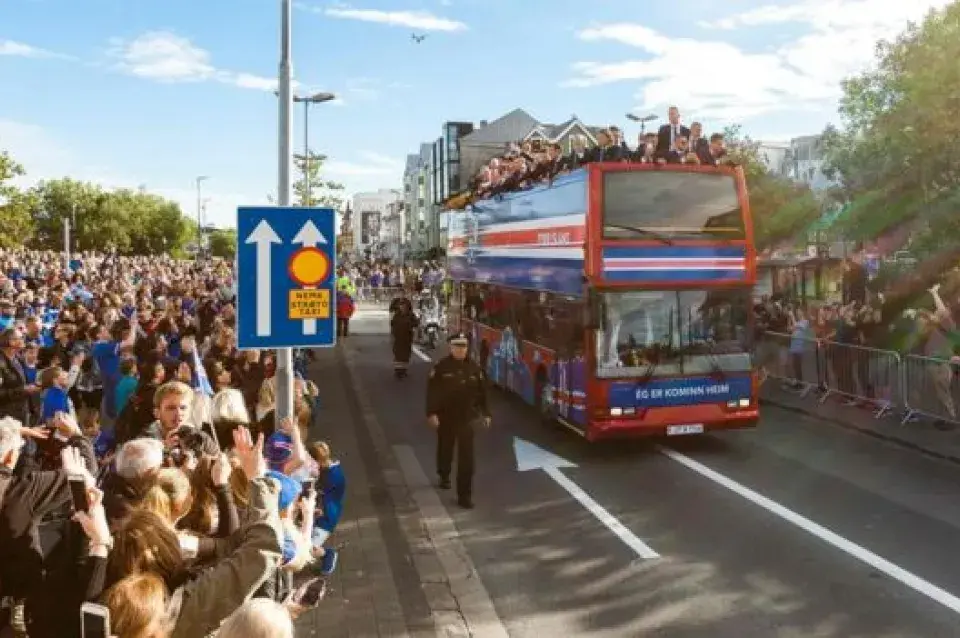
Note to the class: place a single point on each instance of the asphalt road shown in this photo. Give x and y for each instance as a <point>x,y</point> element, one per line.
<point>796,529</point>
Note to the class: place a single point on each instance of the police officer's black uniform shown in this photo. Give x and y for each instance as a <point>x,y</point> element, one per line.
<point>457,396</point>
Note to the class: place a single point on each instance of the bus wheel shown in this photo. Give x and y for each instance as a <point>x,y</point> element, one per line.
<point>543,400</point>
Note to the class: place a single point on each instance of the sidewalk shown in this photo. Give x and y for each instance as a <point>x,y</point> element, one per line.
<point>918,435</point>
<point>375,591</point>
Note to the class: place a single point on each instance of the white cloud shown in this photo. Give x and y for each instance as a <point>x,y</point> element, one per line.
<point>719,80</point>
<point>167,57</point>
<point>369,164</point>
<point>422,20</point>
<point>21,50</point>
<point>45,157</point>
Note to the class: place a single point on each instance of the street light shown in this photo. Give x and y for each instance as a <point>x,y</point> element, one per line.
<point>643,120</point>
<point>200,180</point>
<point>316,98</point>
<point>307,100</point>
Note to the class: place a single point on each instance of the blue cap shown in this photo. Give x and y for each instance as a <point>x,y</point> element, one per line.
<point>278,450</point>
<point>289,489</point>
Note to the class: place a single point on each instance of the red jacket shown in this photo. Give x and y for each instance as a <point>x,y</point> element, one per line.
<point>345,306</point>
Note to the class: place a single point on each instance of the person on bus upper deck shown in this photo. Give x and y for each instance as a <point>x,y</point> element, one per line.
<point>646,149</point>
<point>605,151</point>
<point>618,140</point>
<point>715,152</point>
<point>697,143</point>
<point>578,153</point>
<point>668,133</point>
<point>681,155</point>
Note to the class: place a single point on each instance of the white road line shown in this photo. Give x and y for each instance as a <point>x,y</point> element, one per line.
<point>879,563</point>
<point>423,355</point>
<point>619,529</point>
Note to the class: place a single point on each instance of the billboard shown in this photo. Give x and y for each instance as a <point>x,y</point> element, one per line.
<point>369,227</point>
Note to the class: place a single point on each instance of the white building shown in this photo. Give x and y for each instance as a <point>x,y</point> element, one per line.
<point>370,211</point>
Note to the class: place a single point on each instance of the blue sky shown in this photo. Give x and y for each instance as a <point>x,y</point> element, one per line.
<point>156,92</point>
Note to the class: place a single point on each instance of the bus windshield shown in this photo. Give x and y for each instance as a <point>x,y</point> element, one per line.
<point>669,332</point>
<point>638,204</point>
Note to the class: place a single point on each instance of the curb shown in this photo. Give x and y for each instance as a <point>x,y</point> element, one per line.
<point>901,442</point>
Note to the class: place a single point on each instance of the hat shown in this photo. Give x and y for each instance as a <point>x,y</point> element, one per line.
<point>458,339</point>
<point>289,489</point>
<point>278,450</point>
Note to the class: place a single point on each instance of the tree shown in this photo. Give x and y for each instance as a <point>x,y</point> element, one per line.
<point>223,243</point>
<point>323,192</point>
<point>16,224</point>
<point>896,156</point>
<point>781,208</point>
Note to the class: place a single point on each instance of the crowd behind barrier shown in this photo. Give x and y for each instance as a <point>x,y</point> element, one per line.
<point>895,358</point>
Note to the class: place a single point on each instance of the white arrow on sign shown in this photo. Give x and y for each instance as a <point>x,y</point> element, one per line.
<point>309,236</point>
<point>264,237</point>
<point>534,457</point>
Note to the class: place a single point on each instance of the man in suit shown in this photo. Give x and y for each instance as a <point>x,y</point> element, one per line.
<point>668,133</point>
<point>698,143</point>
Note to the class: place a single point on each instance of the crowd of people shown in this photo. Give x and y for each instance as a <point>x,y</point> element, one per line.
<point>143,473</point>
<point>528,163</point>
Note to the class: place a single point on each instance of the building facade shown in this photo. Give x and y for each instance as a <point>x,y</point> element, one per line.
<point>370,211</point>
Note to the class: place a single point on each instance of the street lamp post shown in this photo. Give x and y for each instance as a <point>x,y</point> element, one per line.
<point>200,180</point>
<point>642,120</point>
<point>307,100</point>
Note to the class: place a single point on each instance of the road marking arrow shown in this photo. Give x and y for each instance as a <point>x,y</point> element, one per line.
<point>264,237</point>
<point>534,457</point>
<point>309,236</point>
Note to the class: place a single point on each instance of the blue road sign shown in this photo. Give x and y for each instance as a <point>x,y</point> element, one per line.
<point>286,277</point>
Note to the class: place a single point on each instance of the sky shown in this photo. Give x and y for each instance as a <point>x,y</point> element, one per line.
<point>155,93</point>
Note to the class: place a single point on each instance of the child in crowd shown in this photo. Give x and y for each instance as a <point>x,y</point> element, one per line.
<point>55,383</point>
<point>331,487</point>
<point>31,360</point>
<point>127,385</point>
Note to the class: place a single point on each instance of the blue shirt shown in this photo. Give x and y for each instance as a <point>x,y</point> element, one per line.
<point>55,400</point>
<point>125,389</point>
<point>332,485</point>
<point>107,356</point>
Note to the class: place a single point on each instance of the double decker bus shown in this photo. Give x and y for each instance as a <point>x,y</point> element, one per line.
<point>616,300</point>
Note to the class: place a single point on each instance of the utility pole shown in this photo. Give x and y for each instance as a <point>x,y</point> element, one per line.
<point>200,180</point>
<point>284,407</point>
<point>66,246</point>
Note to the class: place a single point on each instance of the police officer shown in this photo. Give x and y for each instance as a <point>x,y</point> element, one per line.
<point>456,406</point>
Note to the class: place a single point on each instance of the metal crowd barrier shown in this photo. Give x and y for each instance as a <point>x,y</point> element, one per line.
<point>376,297</point>
<point>861,375</point>
<point>931,388</point>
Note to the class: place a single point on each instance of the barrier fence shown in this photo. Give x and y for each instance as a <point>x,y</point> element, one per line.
<point>376,297</point>
<point>883,380</point>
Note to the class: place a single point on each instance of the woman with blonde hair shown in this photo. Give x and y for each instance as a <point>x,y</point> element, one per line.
<point>138,607</point>
<point>213,512</point>
<point>200,601</point>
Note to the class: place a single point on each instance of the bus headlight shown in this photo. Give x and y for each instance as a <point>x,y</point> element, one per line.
<point>744,403</point>
<point>616,411</point>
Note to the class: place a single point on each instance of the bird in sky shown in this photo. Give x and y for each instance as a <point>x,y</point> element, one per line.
<point>418,38</point>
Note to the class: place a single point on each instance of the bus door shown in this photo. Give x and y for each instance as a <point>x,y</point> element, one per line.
<point>567,342</point>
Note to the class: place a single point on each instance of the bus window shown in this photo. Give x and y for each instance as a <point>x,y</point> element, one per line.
<point>715,330</point>
<point>638,334</point>
<point>676,204</point>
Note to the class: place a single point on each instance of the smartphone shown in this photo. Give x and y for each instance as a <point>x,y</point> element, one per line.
<point>95,621</point>
<point>212,433</point>
<point>78,490</point>
<point>310,593</point>
<point>306,488</point>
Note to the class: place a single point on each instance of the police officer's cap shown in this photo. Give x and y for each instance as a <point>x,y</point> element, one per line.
<point>458,339</point>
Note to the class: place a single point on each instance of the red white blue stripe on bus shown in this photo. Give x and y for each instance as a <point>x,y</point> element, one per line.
<point>674,263</point>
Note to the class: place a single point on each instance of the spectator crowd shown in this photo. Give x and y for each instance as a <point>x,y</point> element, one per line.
<point>143,474</point>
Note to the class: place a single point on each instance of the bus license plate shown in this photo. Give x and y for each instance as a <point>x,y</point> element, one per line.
<point>679,430</point>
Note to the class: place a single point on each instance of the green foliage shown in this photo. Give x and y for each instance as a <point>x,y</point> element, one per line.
<point>896,157</point>
<point>15,221</point>
<point>223,243</point>
<point>133,222</point>
<point>323,192</point>
<point>781,208</point>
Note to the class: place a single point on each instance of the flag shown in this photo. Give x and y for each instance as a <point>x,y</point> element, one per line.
<point>201,382</point>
